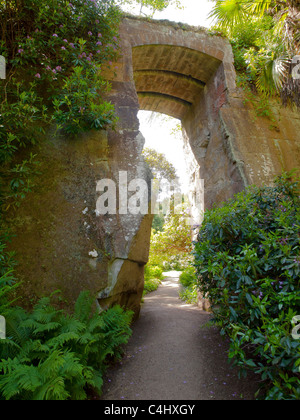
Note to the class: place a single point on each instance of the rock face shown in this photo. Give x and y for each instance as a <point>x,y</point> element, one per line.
<point>64,243</point>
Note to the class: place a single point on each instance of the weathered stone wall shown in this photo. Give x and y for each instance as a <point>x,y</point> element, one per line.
<point>183,72</point>
<point>220,167</point>
<point>264,148</point>
<point>56,227</point>
<point>128,234</point>
<point>233,146</point>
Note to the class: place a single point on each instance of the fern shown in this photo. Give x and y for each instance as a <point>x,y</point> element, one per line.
<point>50,355</point>
<point>83,306</point>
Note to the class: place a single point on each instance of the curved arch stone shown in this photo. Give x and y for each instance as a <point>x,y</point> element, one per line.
<point>189,74</point>
<point>170,68</point>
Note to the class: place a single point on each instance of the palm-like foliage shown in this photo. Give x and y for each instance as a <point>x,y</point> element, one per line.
<point>274,73</point>
<point>286,14</point>
<point>228,13</point>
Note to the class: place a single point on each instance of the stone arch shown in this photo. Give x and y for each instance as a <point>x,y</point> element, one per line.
<point>169,79</point>
<point>188,74</point>
<point>171,68</point>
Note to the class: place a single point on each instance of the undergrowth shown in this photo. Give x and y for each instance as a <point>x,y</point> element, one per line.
<point>50,355</point>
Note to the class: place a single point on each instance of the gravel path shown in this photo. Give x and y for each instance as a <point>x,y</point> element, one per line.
<point>173,355</point>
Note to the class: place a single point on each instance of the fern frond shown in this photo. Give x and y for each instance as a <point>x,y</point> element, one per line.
<point>62,339</point>
<point>49,326</point>
<point>52,390</point>
<point>83,306</point>
<point>95,324</point>
<point>18,378</point>
<point>71,324</point>
<point>52,364</point>
<point>93,379</point>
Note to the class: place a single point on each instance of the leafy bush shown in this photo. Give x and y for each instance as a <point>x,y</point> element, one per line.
<point>170,248</point>
<point>248,266</point>
<point>151,285</point>
<point>153,272</point>
<point>188,281</point>
<point>50,355</point>
<point>189,295</point>
<point>56,53</point>
<point>176,234</point>
<point>177,262</point>
<point>153,277</point>
<point>188,277</point>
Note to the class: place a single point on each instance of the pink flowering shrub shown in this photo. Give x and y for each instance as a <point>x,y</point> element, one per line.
<point>55,43</point>
<point>53,75</point>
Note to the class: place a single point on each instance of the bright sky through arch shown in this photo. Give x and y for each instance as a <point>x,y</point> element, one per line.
<point>158,133</point>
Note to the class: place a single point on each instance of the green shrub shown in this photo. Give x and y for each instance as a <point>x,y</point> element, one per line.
<point>170,261</point>
<point>50,355</point>
<point>189,295</point>
<point>153,272</point>
<point>153,277</point>
<point>188,277</point>
<point>188,281</point>
<point>248,266</point>
<point>170,248</point>
<point>56,53</point>
<point>151,285</point>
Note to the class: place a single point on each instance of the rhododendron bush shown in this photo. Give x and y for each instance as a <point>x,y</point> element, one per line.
<point>55,53</point>
<point>248,266</point>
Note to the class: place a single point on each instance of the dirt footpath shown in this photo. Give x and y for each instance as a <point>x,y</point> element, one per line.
<point>173,355</point>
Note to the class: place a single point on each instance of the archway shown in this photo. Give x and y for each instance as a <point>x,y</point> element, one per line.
<point>184,73</point>
<point>165,67</point>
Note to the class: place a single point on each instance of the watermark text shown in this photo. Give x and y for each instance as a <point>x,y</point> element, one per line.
<point>2,328</point>
<point>137,196</point>
<point>296,329</point>
<point>2,67</point>
<point>296,69</point>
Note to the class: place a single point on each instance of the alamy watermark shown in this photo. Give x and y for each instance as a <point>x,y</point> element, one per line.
<point>296,329</point>
<point>138,197</point>
<point>2,328</point>
<point>2,67</point>
<point>296,69</point>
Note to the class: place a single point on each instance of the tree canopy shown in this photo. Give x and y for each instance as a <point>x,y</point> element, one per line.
<point>160,166</point>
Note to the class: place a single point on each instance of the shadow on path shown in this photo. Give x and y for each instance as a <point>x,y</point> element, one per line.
<point>174,355</point>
